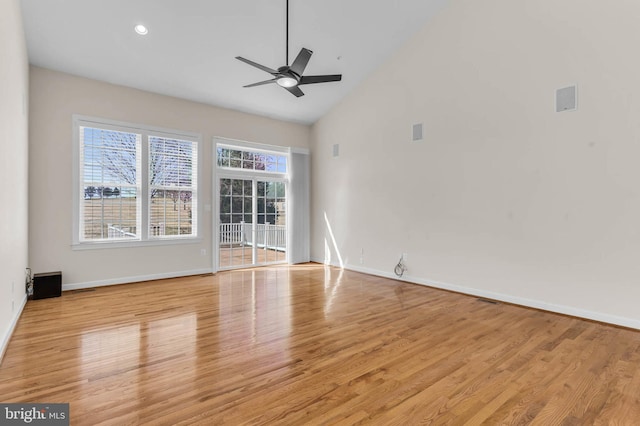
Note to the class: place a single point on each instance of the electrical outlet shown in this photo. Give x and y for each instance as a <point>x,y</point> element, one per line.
<point>203,252</point>
<point>405,256</point>
<point>362,255</point>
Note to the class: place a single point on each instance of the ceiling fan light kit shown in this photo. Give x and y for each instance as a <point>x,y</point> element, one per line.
<point>286,81</point>
<point>290,77</point>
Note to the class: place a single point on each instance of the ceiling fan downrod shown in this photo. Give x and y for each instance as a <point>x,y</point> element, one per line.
<point>287,37</point>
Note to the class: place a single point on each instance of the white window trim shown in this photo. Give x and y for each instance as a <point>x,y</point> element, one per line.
<point>236,173</point>
<point>237,143</point>
<point>89,121</point>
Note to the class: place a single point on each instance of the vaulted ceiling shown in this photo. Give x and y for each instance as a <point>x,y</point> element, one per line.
<point>191,46</point>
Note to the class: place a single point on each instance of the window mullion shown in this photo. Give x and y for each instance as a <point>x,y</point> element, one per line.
<point>144,188</point>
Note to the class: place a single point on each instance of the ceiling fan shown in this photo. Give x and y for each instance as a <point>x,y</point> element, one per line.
<point>290,77</point>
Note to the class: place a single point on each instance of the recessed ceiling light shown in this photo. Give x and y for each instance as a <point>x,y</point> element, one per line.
<point>141,29</point>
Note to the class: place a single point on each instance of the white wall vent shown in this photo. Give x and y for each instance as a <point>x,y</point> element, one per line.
<point>417,132</point>
<point>567,99</point>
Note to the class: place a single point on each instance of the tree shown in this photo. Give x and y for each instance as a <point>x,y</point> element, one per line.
<point>89,191</point>
<point>117,156</point>
<point>107,192</point>
<point>173,196</point>
<point>170,160</point>
<point>171,163</point>
<point>241,159</point>
<point>185,197</point>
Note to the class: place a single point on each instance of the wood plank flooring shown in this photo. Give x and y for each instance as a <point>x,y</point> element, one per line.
<point>315,345</point>
<point>243,256</point>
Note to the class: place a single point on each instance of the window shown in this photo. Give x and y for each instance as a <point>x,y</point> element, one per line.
<point>110,184</point>
<point>238,158</point>
<point>134,183</point>
<point>172,186</point>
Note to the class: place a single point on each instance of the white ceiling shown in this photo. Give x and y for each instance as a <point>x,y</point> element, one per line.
<point>192,44</point>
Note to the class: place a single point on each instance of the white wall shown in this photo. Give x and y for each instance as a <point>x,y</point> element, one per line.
<point>504,197</point>
<point>14,86</point>
<point>55,97</point>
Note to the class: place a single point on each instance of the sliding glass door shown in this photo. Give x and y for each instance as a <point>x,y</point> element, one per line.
<point>252,222</point>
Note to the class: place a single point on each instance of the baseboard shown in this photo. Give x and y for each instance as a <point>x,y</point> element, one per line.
<point>14,322</point>
<point>529,303</point>
<point>135,279</point>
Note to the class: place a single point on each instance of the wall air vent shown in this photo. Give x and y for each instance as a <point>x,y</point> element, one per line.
<point>567,99</point>
<point>417,132</point>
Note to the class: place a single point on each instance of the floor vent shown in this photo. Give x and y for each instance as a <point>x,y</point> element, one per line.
<point>493,302</point>
<point>83,290</point>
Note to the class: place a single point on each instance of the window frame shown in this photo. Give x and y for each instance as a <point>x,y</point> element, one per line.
<point>145,132</point>
<point>224,172</point>
<point>252,147</point>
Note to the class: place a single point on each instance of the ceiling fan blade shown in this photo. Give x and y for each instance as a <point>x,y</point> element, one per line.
<point>260,83</point>
<point>257,65</point>
<point>301,61</point>
<point>311,79</point>
<point>295,90</point>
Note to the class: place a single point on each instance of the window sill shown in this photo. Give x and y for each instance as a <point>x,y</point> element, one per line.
<point>100,245</point>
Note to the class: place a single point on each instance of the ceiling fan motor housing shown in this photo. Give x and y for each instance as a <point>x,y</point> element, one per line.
<point>286,72</point>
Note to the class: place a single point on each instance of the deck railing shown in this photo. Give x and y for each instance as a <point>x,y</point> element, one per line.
<point>155,230</point>
<point>115,232</point>
<point>273,237</point>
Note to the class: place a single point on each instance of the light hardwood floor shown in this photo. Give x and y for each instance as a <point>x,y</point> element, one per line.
<point>315,345</point>
<point>242,256</point>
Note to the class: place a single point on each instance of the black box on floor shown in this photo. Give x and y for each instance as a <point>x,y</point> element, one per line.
<point>47,285</point>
